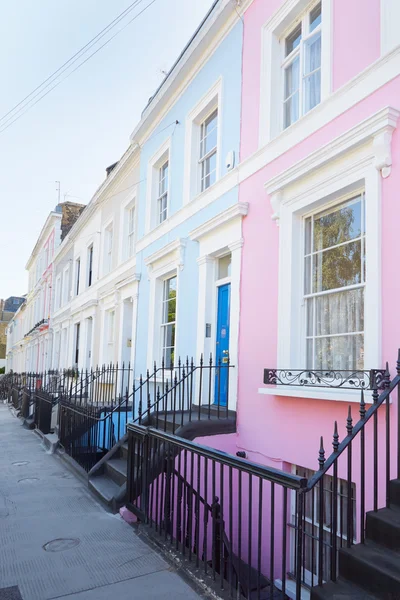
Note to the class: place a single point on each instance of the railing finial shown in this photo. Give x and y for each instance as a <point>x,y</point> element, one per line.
<point>335,442</point>
<point>362,405</point>
<point>349,425</point>
<point>386,377</point>
<point>321,455</point>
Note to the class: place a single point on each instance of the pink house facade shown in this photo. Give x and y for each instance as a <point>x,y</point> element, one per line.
<point>336,166</point>
<point>320,170</point>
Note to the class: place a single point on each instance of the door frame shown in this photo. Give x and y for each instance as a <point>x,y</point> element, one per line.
<point>220,283</point>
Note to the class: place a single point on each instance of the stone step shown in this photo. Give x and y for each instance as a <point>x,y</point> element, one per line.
<point>124,451</point>
<point>395,492</point>
<point>383,527</point>
<point>341,590</point>
<point>117,470</point>
<point>105,488</point>
<point>372,567</point>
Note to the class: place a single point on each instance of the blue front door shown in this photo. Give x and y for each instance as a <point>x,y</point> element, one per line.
<point>222,350</point>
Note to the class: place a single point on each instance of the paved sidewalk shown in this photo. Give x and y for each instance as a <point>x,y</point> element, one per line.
<point>93,555</point>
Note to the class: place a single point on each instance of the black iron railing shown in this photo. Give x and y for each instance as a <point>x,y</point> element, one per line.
<point>325,378</point>
<point>166,398</point>
<point>354,479</point>
<point>227,516</point>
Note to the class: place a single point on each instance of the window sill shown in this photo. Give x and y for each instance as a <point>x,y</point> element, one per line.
<point>333,394</point>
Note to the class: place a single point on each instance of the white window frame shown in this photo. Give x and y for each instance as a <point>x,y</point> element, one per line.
<point>128,237</point>
<point>65,286</point>
<point>163,264</point>
<point>313,295</point>
<point>77,343</point>
<point>161,156</point>
<point>108,248</point>
<point>292,330</point>
<point>299,52</point>
<point>164,324</point>
<point>205,156</point>
<point>58,292</point>
<point>274,33</point>
<point>78,269</point>
<point>89,267</point>
<point>390,15</point>
<point>162,213</point>
<point>358,158</point>
<point>210,102</point>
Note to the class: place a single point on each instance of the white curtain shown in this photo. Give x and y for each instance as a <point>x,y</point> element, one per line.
<point>312,83</point>
<point>340,313</point>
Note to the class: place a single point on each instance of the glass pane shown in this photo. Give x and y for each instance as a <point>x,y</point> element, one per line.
<point>312,54</point>
<point>307,275</point>
<point>171,307</point>
<point>315,17</point>
<point>224,267</point>
<point>163,179</point>
<point>169,300</point>
<point>131,219</point>
<point>308,235</point>
<point>338,225</point>
<point>312,91</point>
<point>342,312</point>
<point>169,356</point>
<point>310,351</point>
<point>292,73</point>
<point>338,267</point>
<point>310,311</point>
<point>209,135</point>
<point>340,353</point>
<point>169,336</point>
<point>209,167</point>
<point>293,40</point>
<point>291,110</point>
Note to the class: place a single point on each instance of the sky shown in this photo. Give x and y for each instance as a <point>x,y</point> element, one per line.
<point>83,125</point>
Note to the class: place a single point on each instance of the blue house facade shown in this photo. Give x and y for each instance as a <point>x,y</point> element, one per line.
<point>188,245</point>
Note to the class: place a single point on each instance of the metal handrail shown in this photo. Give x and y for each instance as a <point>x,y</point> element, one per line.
<point>345,443</point>
<point>289,480</point>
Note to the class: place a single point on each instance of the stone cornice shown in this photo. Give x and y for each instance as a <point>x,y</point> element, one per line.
<point>377,129</point>
<point>237,210</point>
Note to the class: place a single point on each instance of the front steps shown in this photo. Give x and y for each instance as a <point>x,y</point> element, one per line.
<point>109,483</point>
<point>370,570</point>
<point>108,479</point>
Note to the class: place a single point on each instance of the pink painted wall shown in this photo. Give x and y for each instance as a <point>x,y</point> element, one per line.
<point>356,38</point>
<point>280,431</point>
<point>257,14</point>
<point>259,296</point>
<point>356,43</point>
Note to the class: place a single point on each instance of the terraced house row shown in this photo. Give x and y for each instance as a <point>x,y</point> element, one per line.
<point>253,218</point>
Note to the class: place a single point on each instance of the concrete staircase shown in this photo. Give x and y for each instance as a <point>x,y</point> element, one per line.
<point>371,570</point>
<point>108,479</point>
<point>108,482</point>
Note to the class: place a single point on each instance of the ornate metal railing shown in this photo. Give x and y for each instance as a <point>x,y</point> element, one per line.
<point>350,380</point>
<point>227,516</point>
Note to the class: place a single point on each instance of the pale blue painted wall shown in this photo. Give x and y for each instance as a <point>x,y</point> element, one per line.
<point>226,62</point>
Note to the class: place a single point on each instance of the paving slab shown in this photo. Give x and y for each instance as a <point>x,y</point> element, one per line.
<point>57,541</point>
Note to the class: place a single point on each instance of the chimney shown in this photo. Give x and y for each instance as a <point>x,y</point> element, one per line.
<point>111,168</point>
<point>71,212</point>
